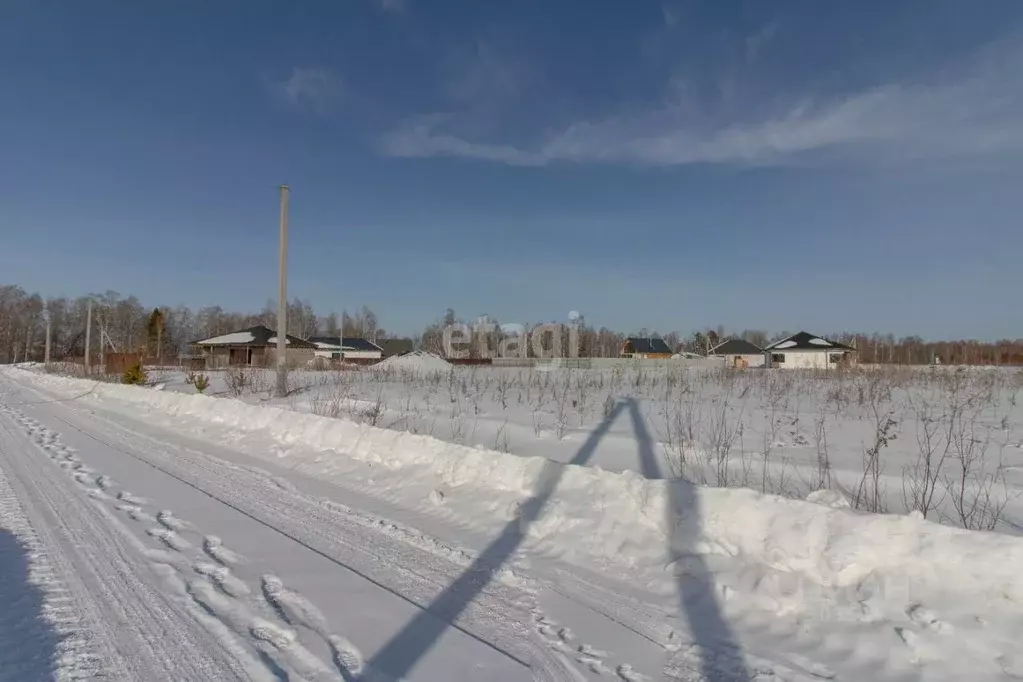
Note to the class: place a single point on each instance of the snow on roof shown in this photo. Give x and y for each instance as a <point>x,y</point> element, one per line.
<point>235,337</point>
<point>323,345</point>
<point>808,342</point>
<point>273,339</point>
<point>736,347</point>
<point>349,342</point>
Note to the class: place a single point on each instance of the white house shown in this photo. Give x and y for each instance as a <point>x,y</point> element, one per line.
<point>351,348</point>
<point>806,351</point>
<point>739,353</point>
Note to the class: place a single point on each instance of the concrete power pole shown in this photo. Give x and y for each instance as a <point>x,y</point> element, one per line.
<point>88,337</point>
<point>282,301</point>
<point>49,333</point>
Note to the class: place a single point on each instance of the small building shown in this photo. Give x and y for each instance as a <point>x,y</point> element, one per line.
<point>635,347</point>
<point>739,353</point>
<point>255,347</point>
<point>394,347</point>
<point>806,351</point>
<point>351,348</point>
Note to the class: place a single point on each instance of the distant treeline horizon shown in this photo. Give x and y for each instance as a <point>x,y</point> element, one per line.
<point>124,324</point>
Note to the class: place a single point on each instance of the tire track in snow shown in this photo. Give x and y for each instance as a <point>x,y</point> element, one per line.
<point>106,574</point>
<point>591,659</point>
<point>271,640</point>
<point>498,619</point>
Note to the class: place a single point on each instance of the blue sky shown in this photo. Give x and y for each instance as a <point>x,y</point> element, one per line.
<point>668,165</point>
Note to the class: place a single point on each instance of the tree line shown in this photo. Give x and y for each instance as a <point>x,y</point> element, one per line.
<point>124,324</point>
<point>873,348</point>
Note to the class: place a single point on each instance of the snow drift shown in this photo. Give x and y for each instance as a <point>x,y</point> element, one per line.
<point>414,361</point>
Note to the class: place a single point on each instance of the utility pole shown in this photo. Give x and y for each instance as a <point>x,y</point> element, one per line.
<point>88,337</point>
<point>282,301</point>
<point>49,330</point>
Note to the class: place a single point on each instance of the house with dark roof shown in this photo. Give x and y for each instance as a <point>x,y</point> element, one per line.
<point>254,346</point>
<point>394,347</point>
<point>808,351</point>
<point>636,347</point>
<point>739,353</point>
<point>350,348</point>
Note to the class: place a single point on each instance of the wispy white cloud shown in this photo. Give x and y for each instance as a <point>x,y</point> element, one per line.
<point>319,90</point>
<point>977,112</point>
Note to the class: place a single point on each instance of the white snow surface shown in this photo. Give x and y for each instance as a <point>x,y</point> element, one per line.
<point>820,342</point>
<point>415,361</point>
<point>235,337</point>
<point>703,583</point>
<point>784,344</point>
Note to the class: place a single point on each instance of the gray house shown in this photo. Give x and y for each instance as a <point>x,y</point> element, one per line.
<point>254,347</point>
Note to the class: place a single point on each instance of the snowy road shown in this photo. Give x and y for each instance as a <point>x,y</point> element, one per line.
<point>162,562</point>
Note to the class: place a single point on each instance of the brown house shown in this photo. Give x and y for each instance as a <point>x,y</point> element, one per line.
<point>255,346</point>
<point>635,347</point>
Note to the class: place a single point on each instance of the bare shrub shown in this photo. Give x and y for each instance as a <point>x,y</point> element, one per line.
<point>723,430</point>
<point>921,478</point>
<point>237,380</point>
<point>820,436</point>
<point>502,387</point>
<point>371,415</point>
<point>609,405</point>
<point>331,402</point>
<point>870,494</point>
<point>501,441</point>
<point>561,405</point>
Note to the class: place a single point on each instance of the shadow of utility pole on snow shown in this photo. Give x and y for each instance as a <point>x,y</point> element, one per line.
<point>718,656</point>
<point>405,649</point>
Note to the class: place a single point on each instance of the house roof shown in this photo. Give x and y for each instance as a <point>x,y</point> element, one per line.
<point>640,345</point>
<point>736,347</point>
<point>255,337</point>
<point>396,346</point>
<point>804,341</point>
<point>347,343</point>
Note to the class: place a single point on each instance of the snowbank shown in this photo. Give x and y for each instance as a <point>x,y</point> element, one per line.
<point>619,519</point>
<point>414,361</point>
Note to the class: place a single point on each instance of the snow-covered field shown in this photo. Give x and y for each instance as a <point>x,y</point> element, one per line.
<point>942,441</point>
<point>411,525</point>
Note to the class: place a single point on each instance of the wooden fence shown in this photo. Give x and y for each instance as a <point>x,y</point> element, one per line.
<point>117,363</point>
